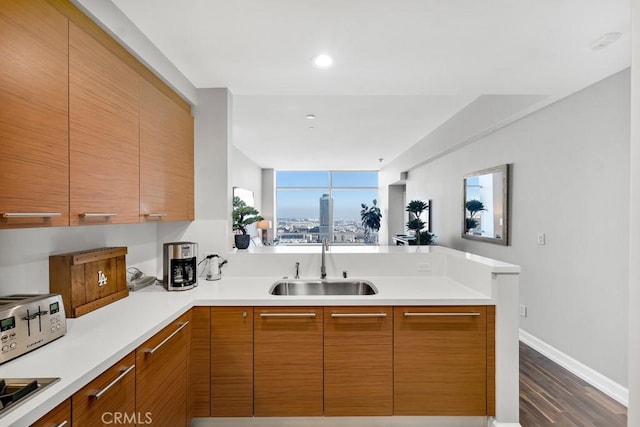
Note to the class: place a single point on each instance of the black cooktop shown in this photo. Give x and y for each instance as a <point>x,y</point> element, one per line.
<point>15,391</point>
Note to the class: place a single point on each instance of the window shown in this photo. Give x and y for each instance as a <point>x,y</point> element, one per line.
<point>313,205</point>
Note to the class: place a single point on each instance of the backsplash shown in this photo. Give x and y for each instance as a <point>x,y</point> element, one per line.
<point>24,253</point>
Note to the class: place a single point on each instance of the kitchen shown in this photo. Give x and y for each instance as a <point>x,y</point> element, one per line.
<point>25,252</point>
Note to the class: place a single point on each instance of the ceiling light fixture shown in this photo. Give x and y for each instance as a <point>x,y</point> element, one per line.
<point>323,61</point>
<point>605,41</point>
<point>311,116</point>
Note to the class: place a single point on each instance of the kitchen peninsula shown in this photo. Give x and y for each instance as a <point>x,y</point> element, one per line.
<point>435,279</point>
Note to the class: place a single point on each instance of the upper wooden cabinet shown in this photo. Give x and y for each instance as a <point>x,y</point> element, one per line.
<point>34,179</point>
<point>103,134</point>
<point>166,157</point>
<point>72,118</point>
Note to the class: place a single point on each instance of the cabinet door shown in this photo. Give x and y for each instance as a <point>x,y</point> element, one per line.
<point>34,139</point>
<point>199,397</point>
<point>166,157</point>
<point>358,361</point>
<point>232,361</point>
<point>161,377</point>
<point>288,361</point>
<point>440,360</point>
<point>110,398</point>
<point>103,134</point>
<point>60,416</point>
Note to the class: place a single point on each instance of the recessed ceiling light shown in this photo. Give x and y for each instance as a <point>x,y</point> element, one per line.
<point>323,61</point>
<point>311,127</point>
<point>311,116</point>
<point>605,41</point>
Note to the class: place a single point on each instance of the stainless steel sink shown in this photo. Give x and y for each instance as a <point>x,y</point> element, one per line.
<point>323,287</point>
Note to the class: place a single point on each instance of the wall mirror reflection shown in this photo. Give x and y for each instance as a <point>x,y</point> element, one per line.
<point>486,206</point>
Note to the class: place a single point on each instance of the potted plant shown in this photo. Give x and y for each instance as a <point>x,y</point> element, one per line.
<point>243,216</point>
<point>371,217</point>
<point>473,206</point>
<point>415,209</point>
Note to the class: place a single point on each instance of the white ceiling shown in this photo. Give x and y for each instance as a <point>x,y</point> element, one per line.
<point>401,67</point>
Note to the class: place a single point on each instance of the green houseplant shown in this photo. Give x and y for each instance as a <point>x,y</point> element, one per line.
<point>473,206</point>
<point>416,208</point>
<point>243,216</point>
<point>371,217</point>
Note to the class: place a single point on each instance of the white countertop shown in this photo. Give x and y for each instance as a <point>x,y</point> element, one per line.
<point>99,339</point>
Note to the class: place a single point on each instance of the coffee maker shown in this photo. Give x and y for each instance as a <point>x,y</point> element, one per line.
<point>180,266</point>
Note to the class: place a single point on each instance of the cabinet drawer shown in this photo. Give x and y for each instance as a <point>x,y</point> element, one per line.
<point>232,361</point>
<point>440,360</point>
<point>358,361</point>
<point>161,377</point>
<point>288,361</point>
<point>60,416</point>
<point>108,398</point>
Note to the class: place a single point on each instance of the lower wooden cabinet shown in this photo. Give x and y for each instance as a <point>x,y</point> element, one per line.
<point>232,361</point>
<point>60,416</point>
<point>440,360</point>
<point>358,361</point>
<point>199,385</point>
<point>161,377</point>
<point>108,399</point>
<point>288,377</point>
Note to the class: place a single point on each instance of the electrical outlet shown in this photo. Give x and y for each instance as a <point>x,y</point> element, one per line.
<point>541,238</point>
<point>523,310</point>
<point>424,266</point>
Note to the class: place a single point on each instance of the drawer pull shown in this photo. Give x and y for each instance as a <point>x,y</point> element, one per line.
<point>97,214</point>
<point>471,313</point>
<point>287,314</point>
<point>156,348</point>
<point>358,314</point>
<point>100,393</point>
<point>30,214</point>
<point>62,424</point>
<point>155,215</point>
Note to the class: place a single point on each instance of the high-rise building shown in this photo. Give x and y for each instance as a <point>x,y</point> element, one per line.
<point>326,218</point>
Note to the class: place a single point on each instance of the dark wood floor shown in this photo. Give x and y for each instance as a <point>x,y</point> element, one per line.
<point>552,396</point>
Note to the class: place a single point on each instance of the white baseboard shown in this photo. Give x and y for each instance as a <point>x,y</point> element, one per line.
<point>596,379</point>
<point>494,423</point>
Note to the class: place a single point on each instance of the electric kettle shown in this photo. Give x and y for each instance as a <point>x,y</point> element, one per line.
<point>215,261</point>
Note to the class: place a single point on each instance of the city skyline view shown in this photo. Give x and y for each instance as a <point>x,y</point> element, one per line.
<point>313,205</point>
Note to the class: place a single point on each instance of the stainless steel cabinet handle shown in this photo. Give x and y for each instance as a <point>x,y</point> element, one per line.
<point>154,349</point>
<point>97,395</point>
<point>62,424</point>
<point>287,314</point>
<point>30,214</point>
<point>155,215</point>
<point>471,313</point>
<point>358,314</point>
<point>97,214</point>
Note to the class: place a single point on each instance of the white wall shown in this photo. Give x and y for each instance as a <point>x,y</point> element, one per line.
<point>248,175</point>
<point>24,253</point>
<point>571,181</point>
<point>633,418</point>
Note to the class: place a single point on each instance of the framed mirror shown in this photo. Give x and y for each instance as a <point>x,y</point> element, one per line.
<point>485,205</point>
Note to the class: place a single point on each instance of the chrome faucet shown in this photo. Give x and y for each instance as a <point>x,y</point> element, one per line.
<point>297,270</point>
<point>323,266</point>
